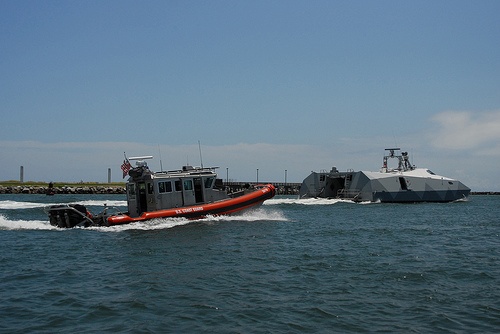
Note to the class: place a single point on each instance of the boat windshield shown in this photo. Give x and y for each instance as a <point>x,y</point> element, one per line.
<point>208,182</point>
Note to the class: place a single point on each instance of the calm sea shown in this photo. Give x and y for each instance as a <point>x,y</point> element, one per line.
<point>292,266</point>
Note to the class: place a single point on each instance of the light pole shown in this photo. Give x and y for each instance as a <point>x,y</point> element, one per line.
<point>257,176</point>
<point>286,192</point>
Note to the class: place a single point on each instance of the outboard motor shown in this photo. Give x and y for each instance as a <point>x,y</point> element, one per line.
<point>68,216</point>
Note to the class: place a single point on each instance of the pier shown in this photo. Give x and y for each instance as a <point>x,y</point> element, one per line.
<point>103,188</point>
<point>281,187</point>
<point>94,188</point>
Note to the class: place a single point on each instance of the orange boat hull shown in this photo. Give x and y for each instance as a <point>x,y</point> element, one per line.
<point>224,207</point>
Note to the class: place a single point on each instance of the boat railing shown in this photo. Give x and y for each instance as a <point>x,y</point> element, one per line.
<point>111,211</point>
<point>188,171</point>
<point>348,193</point>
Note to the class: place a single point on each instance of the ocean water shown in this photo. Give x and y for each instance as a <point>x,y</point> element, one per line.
<point>292,266</point>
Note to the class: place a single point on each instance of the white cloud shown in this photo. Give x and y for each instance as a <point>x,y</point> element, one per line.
<point>465,130</point>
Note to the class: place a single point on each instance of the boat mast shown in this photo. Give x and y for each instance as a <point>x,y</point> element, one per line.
<point>159,154</point>
<point>201,157</point>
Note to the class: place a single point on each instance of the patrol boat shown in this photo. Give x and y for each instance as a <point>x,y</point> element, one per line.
<point>404,183</point>
<point>191,192</point>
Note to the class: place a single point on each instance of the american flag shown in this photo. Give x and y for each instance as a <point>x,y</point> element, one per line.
<point>126,166</point>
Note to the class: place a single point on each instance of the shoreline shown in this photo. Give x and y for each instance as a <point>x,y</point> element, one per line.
<point>104,189</point>
<point>114,189</point>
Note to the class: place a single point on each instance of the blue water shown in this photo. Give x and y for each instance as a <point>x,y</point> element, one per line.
<point>293,266</point>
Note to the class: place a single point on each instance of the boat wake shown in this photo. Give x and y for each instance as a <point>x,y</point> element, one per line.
<point>6,224</point>
<point>463,199</point>
<point>306,201</point>
<point>15,205</point>
<point>102,203</point>
<point>260,214</point>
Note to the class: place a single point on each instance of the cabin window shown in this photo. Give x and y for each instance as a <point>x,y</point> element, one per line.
<point>150,188</point>
<point>165,187</point>
<point>208,182</point>
<point>322,178</point>
<point>168,186</point>
<point>131,189</point>
<point>430,172</point>
<point>188,184</point>
<point>178,185</point>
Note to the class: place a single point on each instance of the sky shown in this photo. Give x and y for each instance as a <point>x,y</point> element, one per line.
<point>267,88</point>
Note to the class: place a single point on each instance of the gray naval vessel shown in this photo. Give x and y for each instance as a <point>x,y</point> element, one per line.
<point>404,183</point>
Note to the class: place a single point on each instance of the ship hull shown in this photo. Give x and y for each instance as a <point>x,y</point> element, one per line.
<point>401,187</point>
<point>223,207</point>
<point>404,184</point>
<point>407,188</point>
<point>419,196</point>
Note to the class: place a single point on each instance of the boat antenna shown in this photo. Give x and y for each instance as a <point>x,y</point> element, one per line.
<point>201,157</point>
<point>159,153</point>
<point>394,137</point>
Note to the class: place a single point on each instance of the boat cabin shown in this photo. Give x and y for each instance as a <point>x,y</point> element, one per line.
<point>152,191</point>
